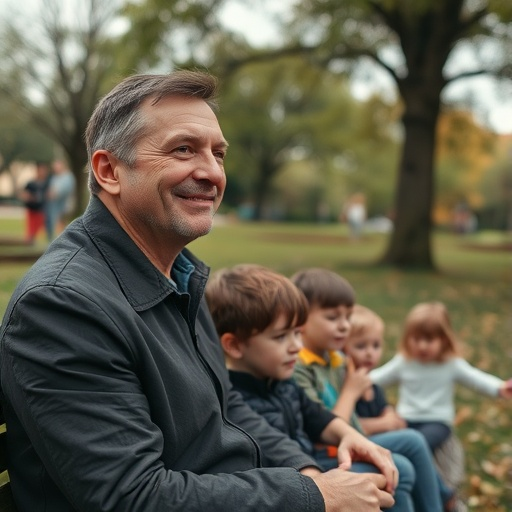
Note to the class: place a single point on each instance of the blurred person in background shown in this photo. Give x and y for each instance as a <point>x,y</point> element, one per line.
<point>59,198</point>
<point>33,196</point>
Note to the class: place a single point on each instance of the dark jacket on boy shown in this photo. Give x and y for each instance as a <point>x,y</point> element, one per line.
<point>285,406</point>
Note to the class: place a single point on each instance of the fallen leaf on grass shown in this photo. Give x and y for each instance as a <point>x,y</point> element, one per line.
<point>463,413</point>
<point>497,470</point>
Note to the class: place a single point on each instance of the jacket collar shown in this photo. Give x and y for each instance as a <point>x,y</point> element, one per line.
<point>247,382</point>
<point>308,357</point>
<point>142,283</point>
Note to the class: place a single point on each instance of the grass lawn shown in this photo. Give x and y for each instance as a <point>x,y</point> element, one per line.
<point>474,280</point>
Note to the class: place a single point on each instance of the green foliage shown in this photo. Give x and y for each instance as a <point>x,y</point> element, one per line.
<point>20,140</point>
<point>289,123</point>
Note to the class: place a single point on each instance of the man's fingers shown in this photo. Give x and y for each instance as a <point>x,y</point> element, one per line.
<point>344,458</point>
<point>386,499</point>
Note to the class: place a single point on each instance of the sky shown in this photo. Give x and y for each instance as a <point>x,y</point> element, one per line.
<point>491,105</point>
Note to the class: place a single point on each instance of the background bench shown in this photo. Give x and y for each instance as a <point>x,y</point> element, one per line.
<point>6,499</point>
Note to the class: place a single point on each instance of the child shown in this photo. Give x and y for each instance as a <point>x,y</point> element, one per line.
<point>364,348</point>
<point>427,367</point>
<point>321,372</point>
<point>257,314</point>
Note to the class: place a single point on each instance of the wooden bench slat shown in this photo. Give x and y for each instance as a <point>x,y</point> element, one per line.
<point>6,499</point>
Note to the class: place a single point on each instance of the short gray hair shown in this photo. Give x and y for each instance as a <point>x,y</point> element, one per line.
<point>116,124</point>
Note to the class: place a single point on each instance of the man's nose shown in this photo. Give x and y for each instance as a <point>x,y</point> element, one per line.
<point>210,169</point>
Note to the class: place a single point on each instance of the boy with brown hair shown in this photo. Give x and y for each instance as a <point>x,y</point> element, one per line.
<point>258,314</point>
<point>322,372</point>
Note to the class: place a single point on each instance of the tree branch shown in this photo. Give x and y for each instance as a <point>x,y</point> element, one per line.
<point>503,72</point>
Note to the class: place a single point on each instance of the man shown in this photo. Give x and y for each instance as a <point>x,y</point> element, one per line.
<point>33,197</point>
<point>114,387</point>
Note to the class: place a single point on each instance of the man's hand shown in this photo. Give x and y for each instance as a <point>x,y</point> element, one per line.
<point>355,447</point>
<point>353,492</point>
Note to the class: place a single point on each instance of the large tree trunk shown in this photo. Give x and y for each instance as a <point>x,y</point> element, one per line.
<point>426,40</point>
<point>410,241</point>
<point>262,186</point>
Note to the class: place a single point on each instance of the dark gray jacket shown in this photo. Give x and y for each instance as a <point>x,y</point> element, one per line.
<point>115,392</point>
<point>285,405</point>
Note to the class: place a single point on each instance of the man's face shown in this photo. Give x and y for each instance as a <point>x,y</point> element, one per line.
<point>178,179</point>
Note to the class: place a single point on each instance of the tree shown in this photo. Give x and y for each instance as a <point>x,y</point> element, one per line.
<point>270,111</point>
<point>465,151</point>
<point>56,69</point>
<point>19,140</point>
<point>286,116</point>
<point>412,41</point>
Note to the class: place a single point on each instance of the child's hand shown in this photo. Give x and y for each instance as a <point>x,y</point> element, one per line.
<point>357,380</point>
<point>506,389</point>
<point>393,421</point>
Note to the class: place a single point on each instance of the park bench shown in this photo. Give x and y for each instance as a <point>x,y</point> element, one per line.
<point>6,499</point>
<point>449,460</point>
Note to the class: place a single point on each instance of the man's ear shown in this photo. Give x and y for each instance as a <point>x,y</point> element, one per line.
<point>105,166</point>
<point>231,345</point>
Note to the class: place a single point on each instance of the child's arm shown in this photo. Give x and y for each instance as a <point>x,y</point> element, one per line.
<point>506,389</point>
<point>479,380</point>
<point>387,421</point>
<point>305,378</point>
<point>388,373</point>
<point>356,383</point>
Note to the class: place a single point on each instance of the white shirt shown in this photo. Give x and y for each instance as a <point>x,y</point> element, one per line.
<point>426,391</point>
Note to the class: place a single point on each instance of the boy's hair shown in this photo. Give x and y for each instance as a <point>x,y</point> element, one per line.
<point>361,319</point>
<point>324,288</point>
<point>431,320</point>
<point>245,299</point>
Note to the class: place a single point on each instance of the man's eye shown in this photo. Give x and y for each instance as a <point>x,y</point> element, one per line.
<point>182,149</point>
<point>219,155</point>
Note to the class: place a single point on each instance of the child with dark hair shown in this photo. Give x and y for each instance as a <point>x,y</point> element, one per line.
<point>258,314</point>
<point>321,371</point>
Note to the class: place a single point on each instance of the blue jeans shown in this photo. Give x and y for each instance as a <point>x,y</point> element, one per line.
<point>407,479</point>
<point>403,500</point>
<point>426,491</point>
<point>435,432</point>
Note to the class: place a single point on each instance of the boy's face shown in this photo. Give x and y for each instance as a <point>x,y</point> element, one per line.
<point>365,348</point>
<point>326,328</point>
<point>271,353</point>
